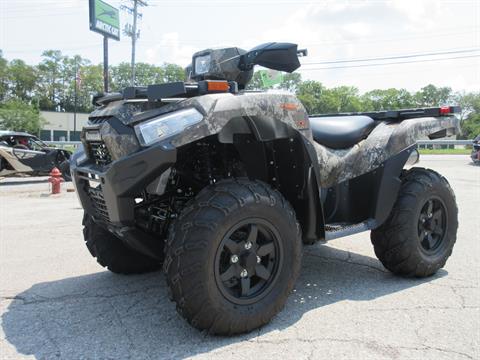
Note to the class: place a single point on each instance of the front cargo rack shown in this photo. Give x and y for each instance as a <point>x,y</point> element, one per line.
<point>160,92</point>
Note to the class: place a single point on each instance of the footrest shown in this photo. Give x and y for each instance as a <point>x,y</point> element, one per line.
<point>338,230</point>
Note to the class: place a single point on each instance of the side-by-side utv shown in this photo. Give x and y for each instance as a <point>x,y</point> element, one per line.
<point>224,186</point>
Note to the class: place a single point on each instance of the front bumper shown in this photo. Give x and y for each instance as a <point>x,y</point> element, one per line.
<point>108,192</point>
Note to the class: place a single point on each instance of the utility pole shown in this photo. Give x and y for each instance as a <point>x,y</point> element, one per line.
<point>75,100</point>
<point>105,64</point>
<point>132,31</point>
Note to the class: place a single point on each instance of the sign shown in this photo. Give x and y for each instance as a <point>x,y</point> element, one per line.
<point>104,19</point>
<point>270,78</point>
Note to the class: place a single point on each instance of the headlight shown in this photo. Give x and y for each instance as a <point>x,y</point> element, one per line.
<point>202,64</point>
<point>164,126</point>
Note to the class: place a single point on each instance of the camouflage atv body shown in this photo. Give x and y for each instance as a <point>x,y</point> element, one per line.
<point>224,186</point>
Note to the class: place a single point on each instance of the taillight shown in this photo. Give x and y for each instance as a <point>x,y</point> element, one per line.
<point>445,110</point>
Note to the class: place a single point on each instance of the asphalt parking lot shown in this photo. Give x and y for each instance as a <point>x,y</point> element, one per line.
<point>56,302</point>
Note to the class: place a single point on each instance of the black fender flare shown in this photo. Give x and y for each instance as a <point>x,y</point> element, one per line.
<point>276,153</point>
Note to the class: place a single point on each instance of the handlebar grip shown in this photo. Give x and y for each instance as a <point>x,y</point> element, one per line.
<point>302,52</point>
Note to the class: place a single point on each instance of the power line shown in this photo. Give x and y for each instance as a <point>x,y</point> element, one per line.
<point>369,40</point>
<point>448,52</point>
<point>389,63</point>
<point>56,14</point>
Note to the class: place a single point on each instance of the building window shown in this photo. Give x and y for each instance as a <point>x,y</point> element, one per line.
<point>74,135</point>
<point>46,135</point>
<point>59,135</point>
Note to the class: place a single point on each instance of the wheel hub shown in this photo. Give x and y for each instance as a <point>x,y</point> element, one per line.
<point>432,225</point>
<point>247,261</point>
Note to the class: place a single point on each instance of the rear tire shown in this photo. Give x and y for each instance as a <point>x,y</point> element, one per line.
<point>419,235</point>
<point>229,228</point>
<point>112,253</point>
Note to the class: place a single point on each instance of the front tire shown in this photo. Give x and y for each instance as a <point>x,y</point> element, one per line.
<point>64,168</point>
<point>233,257</point>
<point>112,253</point>
<point>419,235</point>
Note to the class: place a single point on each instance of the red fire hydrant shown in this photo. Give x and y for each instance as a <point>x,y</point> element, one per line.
<point>56,180</point>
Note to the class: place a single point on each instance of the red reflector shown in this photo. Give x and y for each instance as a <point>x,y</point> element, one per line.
<point>445,110</point>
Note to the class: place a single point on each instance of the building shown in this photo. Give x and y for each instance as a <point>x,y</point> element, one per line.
<point>62,126</point>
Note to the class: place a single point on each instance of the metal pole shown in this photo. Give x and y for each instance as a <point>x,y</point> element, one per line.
<point>134,39</point>
<point>105,64</point>
<point>75,101</point>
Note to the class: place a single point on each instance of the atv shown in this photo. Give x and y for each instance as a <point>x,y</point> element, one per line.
<point>225,186</point>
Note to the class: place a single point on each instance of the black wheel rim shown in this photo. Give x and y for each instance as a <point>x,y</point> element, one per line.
<point>432,225</point>
<point>248,260</point>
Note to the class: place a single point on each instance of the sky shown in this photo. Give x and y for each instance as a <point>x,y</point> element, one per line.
<point>342,37</point>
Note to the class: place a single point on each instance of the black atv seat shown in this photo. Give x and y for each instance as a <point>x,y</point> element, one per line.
<point>341,132</point>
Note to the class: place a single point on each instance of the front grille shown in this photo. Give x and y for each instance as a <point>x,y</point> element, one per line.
<point>98,203</point>
<point>95,120</point>
<point>99,153</point>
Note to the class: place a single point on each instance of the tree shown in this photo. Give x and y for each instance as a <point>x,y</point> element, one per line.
<point>310,93</point>
<point>90,83</point>
<point>470,120</point>
<point>78,73</point>
<point>172,72</point>
<point>291,82</point>
<point>466,101</point>
<point>50,76</point>
<point>146,74</point>
<point>3,76</point>
<point>121,76</point>
<point>345,99</point>
<point>430,96</point>
<point>471,126</point>
<point>17,115</point>
<point>376,100</point>
<point>22,80</point>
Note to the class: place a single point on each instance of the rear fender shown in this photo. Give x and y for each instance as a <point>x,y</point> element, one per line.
<point>384,142</point>
<point>370,196</point>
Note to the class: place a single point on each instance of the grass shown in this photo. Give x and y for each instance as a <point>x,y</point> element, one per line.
<point>70,148</point>
<point>445,151</point>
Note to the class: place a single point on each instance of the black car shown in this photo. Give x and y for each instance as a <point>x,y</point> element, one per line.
<point>24,153</point>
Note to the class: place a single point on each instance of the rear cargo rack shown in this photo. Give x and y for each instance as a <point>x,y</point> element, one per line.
<point>398,115</point>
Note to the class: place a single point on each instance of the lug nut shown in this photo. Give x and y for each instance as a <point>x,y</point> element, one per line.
<point>258,259</point>
<point>234,259</point>
<point>248,245</point>
<point>244,273</point>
